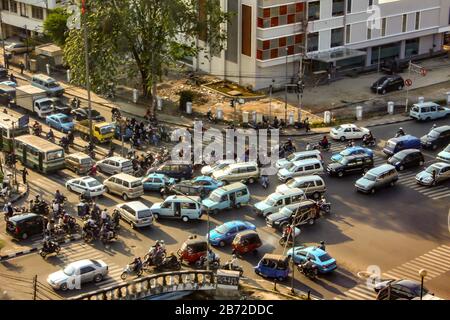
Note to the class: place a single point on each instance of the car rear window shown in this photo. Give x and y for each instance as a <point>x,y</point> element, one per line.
<point>85,161</point>
<point>144,214</point>
<point>325,257</point>
<point>126,164</point>
<point>95,262</point>
<point>136,184</point>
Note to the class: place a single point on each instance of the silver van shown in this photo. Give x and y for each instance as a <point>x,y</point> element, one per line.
<point>237,172</point>
<point>381,176</point>
<point>297,156</point>
<point>136,213</point>
<point>50,85</point>
<point>114,165</point>
<point>124,185</point>
<point>313,185</point>
<point>300,168</point>
<point>276,201</point>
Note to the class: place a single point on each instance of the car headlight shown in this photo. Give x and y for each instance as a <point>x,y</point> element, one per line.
<point>277,222</point>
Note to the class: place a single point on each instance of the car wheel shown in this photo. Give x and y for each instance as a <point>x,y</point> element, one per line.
<point>311,221</point>
<point>63,287</point>
<point>340,174</point>
<point>342,139</point>
<point>98,278</point>
<point>401,168</point>
<point>222,243</point>
<point>125,197</point>
<point>185,219</point>
<point>24,236</point>
<point>365,169</point>
<point>106,189</point>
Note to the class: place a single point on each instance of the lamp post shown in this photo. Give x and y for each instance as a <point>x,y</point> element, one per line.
<point>422,273</point>
<point>270,100</point>
<point>285,88</point>
<point>233,103</point>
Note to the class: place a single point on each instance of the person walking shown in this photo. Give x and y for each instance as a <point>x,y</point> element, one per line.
<point>24,175</point>
<point>22,67</point>
<point>307,128</point>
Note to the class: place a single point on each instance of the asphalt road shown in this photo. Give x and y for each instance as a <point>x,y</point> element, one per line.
<point>392,228</point>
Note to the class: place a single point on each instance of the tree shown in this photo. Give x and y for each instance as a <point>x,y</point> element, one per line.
<point>153,34</point>
<point>55,26</point>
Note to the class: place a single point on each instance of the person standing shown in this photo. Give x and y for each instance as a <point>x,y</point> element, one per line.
<point>22,67</point>
<point>24,175</point>
<point>307,128</point>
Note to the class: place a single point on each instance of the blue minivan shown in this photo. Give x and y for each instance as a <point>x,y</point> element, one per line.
<point>395,145</point>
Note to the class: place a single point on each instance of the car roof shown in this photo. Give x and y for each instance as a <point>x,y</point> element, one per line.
<point>241,164</point>
<point>84,263</point>
<point>86,179</point>
<point>306,162</point>
<point>184,198</point>
<point>295,206</point>
<point>440,165</point>
<point>236,185</point>
<point>24,216</point>
<point>44,77</point>
<point>442,129</point>
<point>314,250</point>
<point>59,115</point>
<point>309,152</point>
<point>79,155</point>
<point>381,169</point>
<point>291,191</point>
<point>126,176</point>
<point>117,158</point>
<point>308,178</point>
<point>410,284</point>
<point>136,205</point>
<point>357,156</point>
<point>235,223</point>
<point>426,104</point>
<point>348,125</point>
<point>156,175</point>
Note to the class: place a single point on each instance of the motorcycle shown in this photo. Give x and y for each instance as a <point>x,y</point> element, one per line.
<point>129,271</point>
<point>321,147</point>
<point>203,261</point>
<point>310,273</point>
<point>47,250</point>
<point>229,266</point>
<point>324,206</point>
<point>287,237</point>
<point>108,237</point>
<point>170,262</point>
<point>41,208</point>
<point>369,143</point>
<point>64,144</point>
<point>153,258</point>
<point>89,234</point>
<point>37,130</point>
<point>264,180</point>
<point>71,226</point>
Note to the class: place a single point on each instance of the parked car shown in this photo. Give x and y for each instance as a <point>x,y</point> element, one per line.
<point>399,289</point>
<point>18,47</point>
<point>22,226</point>
<point>376,178</point>
<point>88,185</point>
<point>79,162</point>
<point>114,165</point>
<point>60,122</point>
<point>324,262</point>
<point>9,83</point>
<point>297,156</point>
<point>157,182</point>
<point>221,164</point>
<point>48,84</point>
<point>313,186</point>
<point>427,111</point>
<point>209,184</point>
<point>136,213</point>
<point>237,172</point>
<point>388,83</point>
<point>441,170</point>
<point>395,145</point>
<point>300,168</point>
<point>87,270</point>
<point>175,169</point>
<point>350,164</point>
<point>444,155</point>
<point>82,113</point>
<point>352,151</point>
<point>348,132</point>
<point>437,137</point>
<point>276,201</point>
<point>408,158</point>
<point>225,233</point>
<point>230,196</point>
<point>178,207</point>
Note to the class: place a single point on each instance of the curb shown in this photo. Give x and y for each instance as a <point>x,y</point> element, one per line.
<point>35,249</point>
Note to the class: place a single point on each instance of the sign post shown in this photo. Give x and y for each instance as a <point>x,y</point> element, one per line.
<point>418,70</point>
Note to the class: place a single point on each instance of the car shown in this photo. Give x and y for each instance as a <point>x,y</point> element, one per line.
<point>86,184</point>
<point>209,184</point>
<point>22,226</point>
<point>80,114</point>
<point>221,164</point>
<point>3,73</point>
<point>60,122</point>
<point>136,213</point>
<point>407,158</point>
<point>350,164</point>
<point>313,186</point>
<point>376,178</point>
<point>444,155</point>
<point>427,111</point>
<point>394,145</point>
<point>300,168</point>
<point>114,165</point>
<point>442,170</point>
<point>185,187</point>
<point>296,156</point>
<point>60,107</point>
<point>399,289</point>
<point>175,169</point>
<point>348,132</point>
<point>437,137</point>
<point>77,273</point>
<point>237,172</point>
<point>225,233</point>
<point>388,83</point>
<point>351,151</point>
<point>18,47</point>
<point>80,163</point>
<point>178,207</point>
<point>156,182</point>
<point>324,262</point>
<point>9,83</point>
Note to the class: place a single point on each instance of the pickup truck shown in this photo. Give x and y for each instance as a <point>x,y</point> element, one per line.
<point>101,131</point>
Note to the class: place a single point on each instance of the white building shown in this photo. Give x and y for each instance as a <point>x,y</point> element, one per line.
<point>341,35</point>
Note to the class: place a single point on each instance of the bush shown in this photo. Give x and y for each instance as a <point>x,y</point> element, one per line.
<point>185,97</point>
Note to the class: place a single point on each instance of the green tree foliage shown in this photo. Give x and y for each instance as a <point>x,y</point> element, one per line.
<point>55,26</point>
<point>152,34</point>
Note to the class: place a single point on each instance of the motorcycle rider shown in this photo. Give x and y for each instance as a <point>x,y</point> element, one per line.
<point>308,266</point>
<point>59,197</point>
<point>104,216</point>
<point>368,138</point>
<point>56,208</point>
<point>70,137</point>
<point>50,136</point>
<point>308,146</point>
<point>233,263</point>
<point>322,245</point>
<point>37,128</point>
<point>324,142</point>
<point>91,227</point>
<point>64,142</point>
<point>48,244</point>
<point>264,180</point>
<point>400,132</point>
<point>136,265</point>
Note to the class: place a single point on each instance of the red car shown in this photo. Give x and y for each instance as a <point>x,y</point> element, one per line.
<point>246,241</point>
<point>193,249</point>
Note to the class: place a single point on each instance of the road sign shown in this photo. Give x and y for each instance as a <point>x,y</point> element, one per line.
<point>408,82</point>
<point>23,121</point>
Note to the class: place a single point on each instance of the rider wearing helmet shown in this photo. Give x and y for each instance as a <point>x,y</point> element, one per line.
<point>324,142</point>
<point>400,132</point>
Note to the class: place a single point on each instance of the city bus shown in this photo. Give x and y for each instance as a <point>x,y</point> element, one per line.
<point>39,154</point>
<point>7,132</point>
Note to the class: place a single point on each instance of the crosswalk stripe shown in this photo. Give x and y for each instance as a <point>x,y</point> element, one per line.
<point>415,268</point>
<point>436,191</point>
<point>428,264</point>
<point>398,274</point>
<point>443,252</point>
<point>444,196</point>
<point>439,256</point>
<point>445,247</point>
<point>364,290</point>
<point>358,295</point>
<point>389,275</point>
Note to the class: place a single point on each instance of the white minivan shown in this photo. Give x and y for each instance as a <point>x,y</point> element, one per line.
<point>300,168</point>
<point>178,207</point>
<point>136,213</point>
<point>278,200</point>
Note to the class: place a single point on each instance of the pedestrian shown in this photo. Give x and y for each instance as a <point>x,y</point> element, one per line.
<point>22,67</point>
<point>308,146</point>
<point>306,122</point>
<point>434,176</point>
<point>104,216</point>
<point>24,175</point>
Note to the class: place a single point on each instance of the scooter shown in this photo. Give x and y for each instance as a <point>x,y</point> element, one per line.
<point>108,237</point>
<point>324,206</point>
<point>369,143</point>
<point>310,273</point>
<point>202,262</point>
<point>229,266</point>
<point>170,262</point>
<point>52,248</point>
<point>129,271</point>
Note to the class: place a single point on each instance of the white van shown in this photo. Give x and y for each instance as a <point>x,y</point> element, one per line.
<point>50,85</point>
<point>237,172</point>
<point>136,213</point>
<point>179,207</point>
<point>277,200</point>
<point>297,156</point>
<point>124,185</point>
<point>300,168</point>
<point>313,186</point>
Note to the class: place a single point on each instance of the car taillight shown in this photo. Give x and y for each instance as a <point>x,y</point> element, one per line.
<point>17,230</point>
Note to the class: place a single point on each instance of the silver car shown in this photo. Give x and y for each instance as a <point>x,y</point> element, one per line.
<point>381,176</point>
<point>77,273</point>
<point>441,171</point>
<point>17,47</point>
<point>115,165</point>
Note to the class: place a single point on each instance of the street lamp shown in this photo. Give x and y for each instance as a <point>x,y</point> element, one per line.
<point>422,273</point>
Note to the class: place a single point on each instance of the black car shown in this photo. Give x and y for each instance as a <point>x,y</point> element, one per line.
<point>407,158</point>
<point>399,289</point>
<point>22,226</point>
<point>185,188</point>
<point>438,137</point>
<point>60,107</point>
<point>3,74</point>
<point>174,169</point>
<point>350,164</point>
<point>388,83</point>
<point>83,114</point>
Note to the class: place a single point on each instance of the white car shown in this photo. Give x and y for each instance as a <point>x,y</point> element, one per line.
<point>89,184</point>
<point>444,155</point>
<point>77,273</point>
<point>207,170</point>
<point>441,170</point>
<point>348,132</point>
<point>17,47</point>
<point>296,156</point>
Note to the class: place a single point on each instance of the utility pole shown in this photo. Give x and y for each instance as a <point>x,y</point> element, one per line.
<point>285,88</point>
<point>35,287</point>
<point>86,62</point>
<point>407,87</point>
<point>270,100</point>
<point>13,152</point>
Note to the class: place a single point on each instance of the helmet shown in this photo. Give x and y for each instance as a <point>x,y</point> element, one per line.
<point>400,128</point>
<point>234,256</point>
<point>322,242</point>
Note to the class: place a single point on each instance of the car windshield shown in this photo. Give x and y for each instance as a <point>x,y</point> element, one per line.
<point>430,169</point>
<point>107,129</point>
<point>339,128</point>
<point>53,85</point>
<point>370,177</point>
<point>85,161</point>
<point>65,120</point>
<point>292,168</point>
<point>433,134</point>
<point>271,200</point>
<point>325,257</point>
<point>398,156</point>
<point>381,80</point>
<point>390,144</point>
<point>94,183</point>
<point>222,229</point>
<point>289,165</point>
<point>214,196</point>
<point>69,271</point>
<point>447,149</point>
<point>144,214</point>
<point>415,109</point>
<point>343,161</point>
<point>286,211</point>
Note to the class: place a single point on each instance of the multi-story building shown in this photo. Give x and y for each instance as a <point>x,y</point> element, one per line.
<point>266,38</point>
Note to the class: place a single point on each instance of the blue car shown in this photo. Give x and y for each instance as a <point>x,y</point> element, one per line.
<point>321,258</point>
<point>224,234</point>
<point>126,137</point>
<point>9,83</point>
<point>352,151</point>
<point>156,182</point>
<point>60,122</point>
<point>209,184</point>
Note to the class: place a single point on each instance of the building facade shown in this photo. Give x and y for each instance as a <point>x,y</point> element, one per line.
<point>267,38</point>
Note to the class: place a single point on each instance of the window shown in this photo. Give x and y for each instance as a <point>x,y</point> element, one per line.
<point>13,6</point>
<point>412,47</point>
<point>23,9</point>
<point>247,30</point>
<point>313,41</point>
<point>417,23</point>
<point>369,33</point>
<point>370,3</point>
<point>37,12</point>
<point>314,11</point>
<point>349,6</point>
<point>404,22</point>
<point>383,27</point>
<point>347,34</point>
<point>338,8</point>
<point>337,37</point>
<point>5,5</point>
